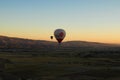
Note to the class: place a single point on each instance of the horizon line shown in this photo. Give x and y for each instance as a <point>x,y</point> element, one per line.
<point>62,41</point>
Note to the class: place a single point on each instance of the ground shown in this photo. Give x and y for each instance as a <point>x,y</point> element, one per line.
<point>48,67</point>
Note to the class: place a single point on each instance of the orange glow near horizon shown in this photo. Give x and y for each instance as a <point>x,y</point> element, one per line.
<point>103,39</point>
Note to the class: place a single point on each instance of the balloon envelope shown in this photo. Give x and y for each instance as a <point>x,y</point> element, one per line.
<point>59,35</point>
<point>51,37</point>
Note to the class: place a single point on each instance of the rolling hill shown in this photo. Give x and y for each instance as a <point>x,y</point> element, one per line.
<point>13,42</point>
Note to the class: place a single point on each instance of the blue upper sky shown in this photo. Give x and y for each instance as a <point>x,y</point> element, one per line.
<point>91,20</point>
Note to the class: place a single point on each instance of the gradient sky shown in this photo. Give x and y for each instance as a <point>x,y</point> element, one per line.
<point>89,20</point>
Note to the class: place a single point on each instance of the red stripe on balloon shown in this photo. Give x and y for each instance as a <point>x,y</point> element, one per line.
<point>61,34</point>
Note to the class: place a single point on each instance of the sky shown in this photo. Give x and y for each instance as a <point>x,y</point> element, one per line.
<point>83,20</point>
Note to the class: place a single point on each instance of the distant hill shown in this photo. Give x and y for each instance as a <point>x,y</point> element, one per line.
<point>13,42</point>
<point>67,49</point>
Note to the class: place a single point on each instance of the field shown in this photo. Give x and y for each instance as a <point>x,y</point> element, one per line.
<point>31,66</point>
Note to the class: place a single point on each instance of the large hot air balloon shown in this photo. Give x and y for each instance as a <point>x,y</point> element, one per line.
<point>59,35</point>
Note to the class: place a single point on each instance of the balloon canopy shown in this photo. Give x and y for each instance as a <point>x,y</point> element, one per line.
<point>59,35</point>
<point>51,37</point>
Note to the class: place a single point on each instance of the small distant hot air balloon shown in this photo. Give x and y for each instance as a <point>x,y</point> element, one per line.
<point>51,37</point>
<point>59,35</point>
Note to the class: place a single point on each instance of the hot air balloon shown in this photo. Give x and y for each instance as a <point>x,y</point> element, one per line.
<point>51,37</point>
<point>59,35</point>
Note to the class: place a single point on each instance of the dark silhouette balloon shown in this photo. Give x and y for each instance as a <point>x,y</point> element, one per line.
<point>59,35</point>
<point>51,37</point>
